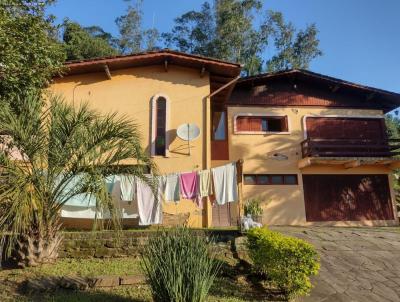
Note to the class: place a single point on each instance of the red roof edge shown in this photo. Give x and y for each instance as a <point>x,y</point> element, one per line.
<point>155,52</point>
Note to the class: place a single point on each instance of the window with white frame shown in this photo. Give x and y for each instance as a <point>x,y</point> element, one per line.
<point>261,124</point>
<point>160,114</point>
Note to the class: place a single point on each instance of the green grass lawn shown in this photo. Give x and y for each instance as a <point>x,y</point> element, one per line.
<point>225,289</point>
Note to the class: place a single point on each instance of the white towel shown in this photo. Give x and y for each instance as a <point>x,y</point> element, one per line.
<point>172,188</point>
<point>128,187</point>
<point>225,187</point>
<point>150,211</point>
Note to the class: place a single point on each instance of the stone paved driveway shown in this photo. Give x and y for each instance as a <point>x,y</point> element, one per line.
<point>357,264</point>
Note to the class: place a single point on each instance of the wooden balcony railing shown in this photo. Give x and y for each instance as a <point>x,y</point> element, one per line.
<point>350,148</point>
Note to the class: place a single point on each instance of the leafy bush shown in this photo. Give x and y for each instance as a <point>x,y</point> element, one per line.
<point>253,207</point>
<point>179,266</point>
<point>287,262</point>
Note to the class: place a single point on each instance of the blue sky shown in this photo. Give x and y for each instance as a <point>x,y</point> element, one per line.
<point>360,38</point>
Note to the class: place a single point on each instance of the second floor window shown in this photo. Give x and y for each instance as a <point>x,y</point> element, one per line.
<point>219,125</point>
<point>160,126</point>
<point>261,124</point>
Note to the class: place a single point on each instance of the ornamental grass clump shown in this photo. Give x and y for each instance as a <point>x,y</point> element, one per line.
<point>180,266</point>
<point>287,262</point>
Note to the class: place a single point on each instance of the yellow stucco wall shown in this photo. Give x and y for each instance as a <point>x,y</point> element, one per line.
<point>129,92</point>
<point>284,204</point>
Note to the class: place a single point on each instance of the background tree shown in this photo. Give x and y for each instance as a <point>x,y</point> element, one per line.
<point>29,51</point>
<point>393,130</point>
<point>51,154</point>
<point>294,49</point>
<point>87,42</point>
<point>393,126</point>
<point>226,30</point>
<point>194,32</point>
<point>133,38</point>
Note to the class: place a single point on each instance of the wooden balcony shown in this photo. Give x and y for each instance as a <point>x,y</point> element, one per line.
<point>350,148</point>
<point>350,153</point>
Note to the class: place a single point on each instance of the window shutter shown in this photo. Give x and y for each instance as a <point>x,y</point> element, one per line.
<point>242,123</point>
<point>256,124</point>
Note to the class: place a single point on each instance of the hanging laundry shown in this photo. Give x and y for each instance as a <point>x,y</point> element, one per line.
<point>110,182</point>
<point>172,187</point>
<point>128,187</point>
<point>225,187</point>
<point>205,187</point>
<point>161,182</point>
<point>149,205</point>
<point>70,192</point>
<point>189,185</point>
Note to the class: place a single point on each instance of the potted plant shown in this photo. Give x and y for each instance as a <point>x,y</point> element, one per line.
<point>253,208</point>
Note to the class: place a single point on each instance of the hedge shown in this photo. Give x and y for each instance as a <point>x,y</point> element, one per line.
<point>287,262</point>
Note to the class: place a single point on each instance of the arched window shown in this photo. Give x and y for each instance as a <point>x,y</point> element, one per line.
<point>161,107</point>
<point>159,126</point>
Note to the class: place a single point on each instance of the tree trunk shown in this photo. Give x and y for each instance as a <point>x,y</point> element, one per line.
<point>33,250</point>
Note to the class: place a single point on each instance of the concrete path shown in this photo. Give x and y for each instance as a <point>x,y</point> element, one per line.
<point>357,264</point>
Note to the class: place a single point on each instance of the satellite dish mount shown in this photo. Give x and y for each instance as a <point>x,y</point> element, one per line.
<point>188,132</point>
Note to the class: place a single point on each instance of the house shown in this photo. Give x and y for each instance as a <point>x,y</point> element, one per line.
<point>314,148</point>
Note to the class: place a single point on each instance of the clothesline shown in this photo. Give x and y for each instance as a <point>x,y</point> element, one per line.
<point>187,182</point>
<point>220,182</point>
<point>196,185</point>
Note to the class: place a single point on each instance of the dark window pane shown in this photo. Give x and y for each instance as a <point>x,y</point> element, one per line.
<point>268,179</point>
<point>275,124</point>
<point>276,179</point>
<point>250,179</point>
<point>161,104</point>
<point>290,179</point>
<point>262,179</point>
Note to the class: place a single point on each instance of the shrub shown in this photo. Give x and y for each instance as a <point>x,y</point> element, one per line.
<point>287,262</point>
<point>253,207</point>
<point>179,266</point>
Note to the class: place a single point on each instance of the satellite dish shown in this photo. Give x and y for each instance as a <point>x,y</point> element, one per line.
<point>188,132</point>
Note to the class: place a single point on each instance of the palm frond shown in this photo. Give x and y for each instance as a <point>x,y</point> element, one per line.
<point>58,143</point>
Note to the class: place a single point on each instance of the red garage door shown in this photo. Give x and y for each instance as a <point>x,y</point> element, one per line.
<point>347,197</point>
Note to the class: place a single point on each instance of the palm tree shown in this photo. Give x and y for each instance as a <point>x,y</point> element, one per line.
<point>45,147</point>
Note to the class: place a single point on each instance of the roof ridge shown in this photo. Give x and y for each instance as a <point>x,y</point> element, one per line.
<point>150,52</point>
<point>318,75</point>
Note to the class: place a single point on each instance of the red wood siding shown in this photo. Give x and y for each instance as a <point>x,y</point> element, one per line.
<point>282,92</point>
<point>342,137</point>
<point>345,128</point>
<point>219,150</point>
<point>347,197</point>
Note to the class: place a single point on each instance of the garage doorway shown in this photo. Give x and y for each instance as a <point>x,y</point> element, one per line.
<point>347,197</point>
